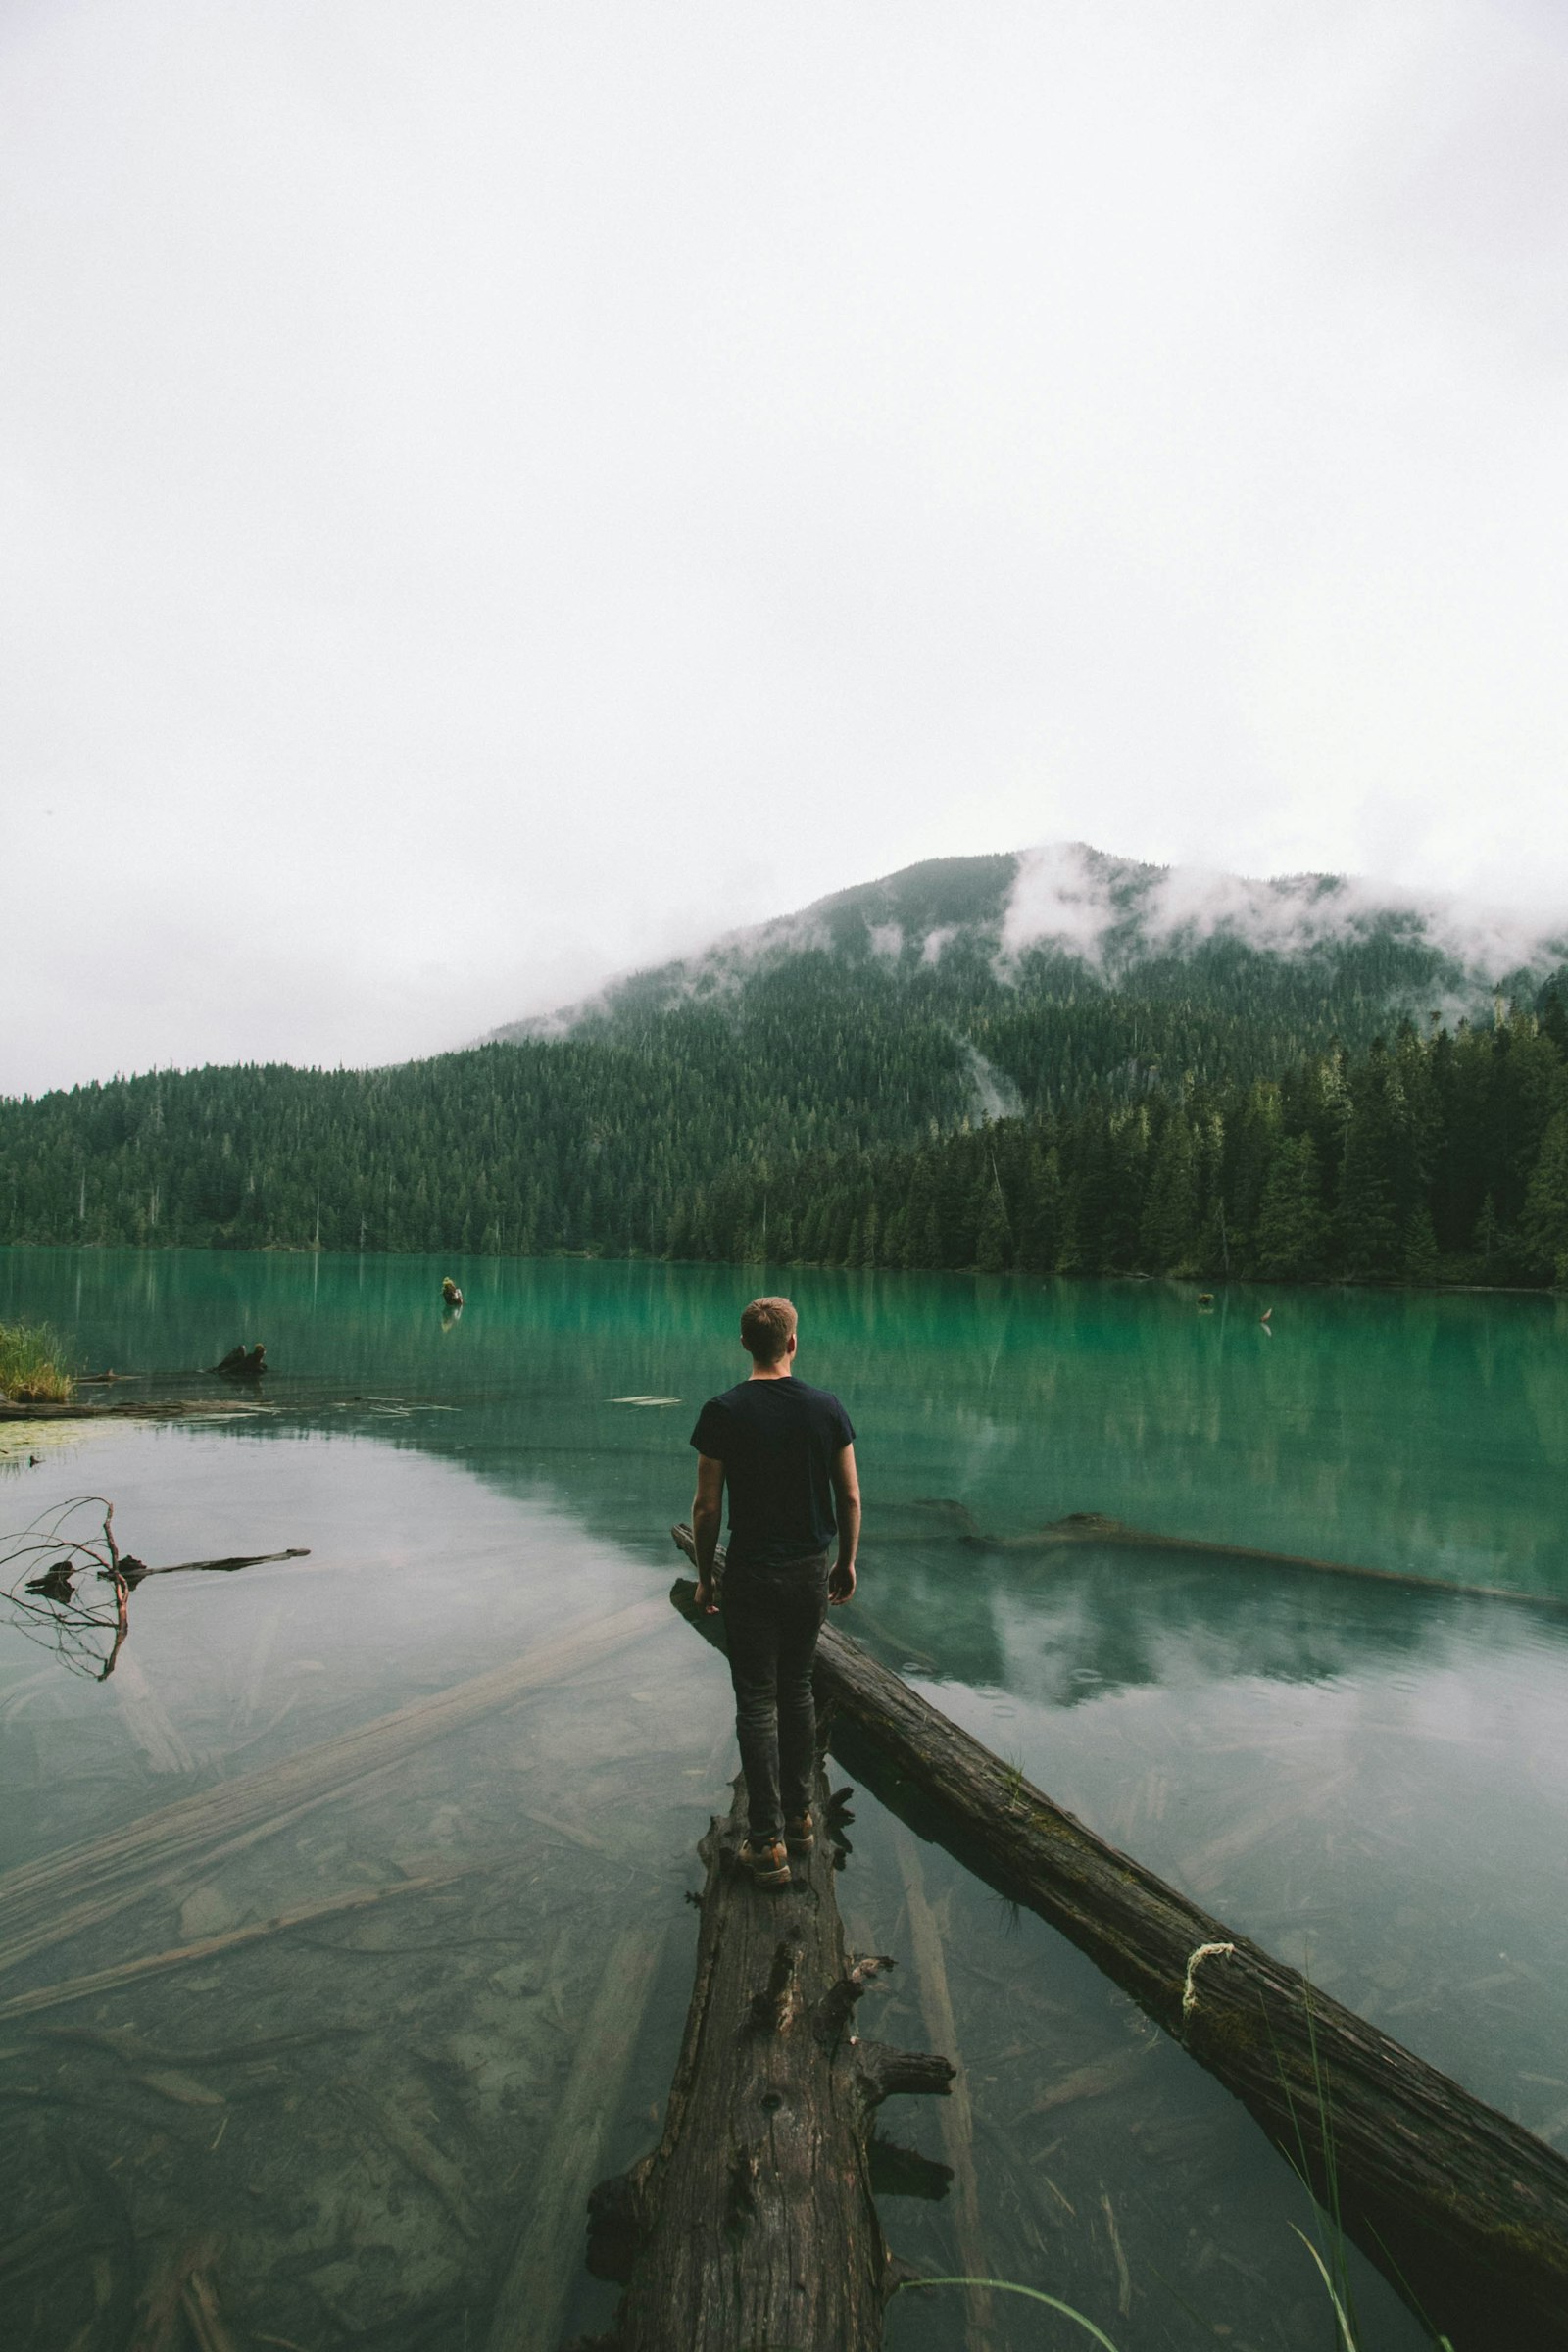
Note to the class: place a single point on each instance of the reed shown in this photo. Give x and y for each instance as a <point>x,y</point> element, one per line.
<point>1010,2286</point>
<point>31,1366</point>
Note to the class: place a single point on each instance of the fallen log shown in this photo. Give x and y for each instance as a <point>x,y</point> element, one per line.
<point>1464,2211</point>
<point>1091,1527</point>
<point>753,2221</point>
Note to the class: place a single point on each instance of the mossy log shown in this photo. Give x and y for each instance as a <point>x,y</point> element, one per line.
<point>753,2221</point>
<point>1464,2211</point>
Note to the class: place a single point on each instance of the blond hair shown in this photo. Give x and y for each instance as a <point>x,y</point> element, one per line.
<point>767,1326</point>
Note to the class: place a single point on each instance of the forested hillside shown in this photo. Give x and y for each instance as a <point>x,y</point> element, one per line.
<point>1416,1161</point>
<point>818,1093</point>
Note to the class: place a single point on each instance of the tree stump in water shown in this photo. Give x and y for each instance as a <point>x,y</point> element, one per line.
<point>753,2221</point>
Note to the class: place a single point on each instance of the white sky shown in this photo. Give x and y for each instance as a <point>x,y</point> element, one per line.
<point>493,494</point>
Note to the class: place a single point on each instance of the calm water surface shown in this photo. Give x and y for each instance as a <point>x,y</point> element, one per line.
<point>343,2126</point>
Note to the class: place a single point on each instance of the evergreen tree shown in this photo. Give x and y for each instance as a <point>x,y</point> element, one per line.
<point>994,1245</point>
<point>1374,1183</point>
<point>1543,1225</point>
<point>1292,1228</point>
<point>1421,1261</point>
<point>1166,1236</point>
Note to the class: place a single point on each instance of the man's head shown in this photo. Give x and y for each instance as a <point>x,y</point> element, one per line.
<point>767,1330</point>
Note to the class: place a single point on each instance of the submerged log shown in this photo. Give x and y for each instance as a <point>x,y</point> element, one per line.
<point>209,1947</point>
<point>546,2260</point>
<point>137,1408</point>
<point>1464,2211</point>
<point>1093,1527</point>
<point>957,2116</point>
<point>753,2221</point>
<point>62,1894</point>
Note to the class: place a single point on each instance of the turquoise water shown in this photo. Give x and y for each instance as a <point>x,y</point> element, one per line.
<point>1369,1777</point>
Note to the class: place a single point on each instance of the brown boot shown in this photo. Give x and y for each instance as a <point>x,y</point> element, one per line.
<point>767,1860</point>
<point>799,1834</point>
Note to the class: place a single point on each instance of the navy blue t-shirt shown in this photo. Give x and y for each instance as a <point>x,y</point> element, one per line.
<point>778,1440</point>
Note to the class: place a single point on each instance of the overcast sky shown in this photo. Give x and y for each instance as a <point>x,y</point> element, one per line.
<point>494,494</point>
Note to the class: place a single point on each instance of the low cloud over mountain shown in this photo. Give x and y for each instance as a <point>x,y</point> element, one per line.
<point>1117,920</point>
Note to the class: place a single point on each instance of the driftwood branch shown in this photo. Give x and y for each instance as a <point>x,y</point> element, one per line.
<point>52,1571</point>
<point>136,1571</point>
<point>884,2072</point>
<point>1464,2210</point>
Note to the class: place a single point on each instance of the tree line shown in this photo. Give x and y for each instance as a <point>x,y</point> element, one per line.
<point>1417,1160</point>
<point>1223,1120</point>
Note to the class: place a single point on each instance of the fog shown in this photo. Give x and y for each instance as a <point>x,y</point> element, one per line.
<point>1070,897</point>
<point>496,496</point>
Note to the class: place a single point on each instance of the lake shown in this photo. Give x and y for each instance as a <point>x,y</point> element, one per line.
<point>341,2127</point>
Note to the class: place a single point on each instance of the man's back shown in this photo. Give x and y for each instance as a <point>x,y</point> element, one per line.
<point>778,1440</point>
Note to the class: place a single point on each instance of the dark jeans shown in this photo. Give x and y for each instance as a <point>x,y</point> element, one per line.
<point>773,1617</point>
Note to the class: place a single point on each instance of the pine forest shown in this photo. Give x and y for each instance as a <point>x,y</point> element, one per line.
<point>1227,1116</point>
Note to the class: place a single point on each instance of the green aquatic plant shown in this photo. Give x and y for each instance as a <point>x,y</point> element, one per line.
<point>1327,2205</point>
<point>1345,2337</point>
<point>1010,2286</point>
<point>1336,2280</point>
<point>31,1371</point>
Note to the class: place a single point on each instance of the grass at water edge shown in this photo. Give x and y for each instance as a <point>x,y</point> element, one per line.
<point>32,1370</point>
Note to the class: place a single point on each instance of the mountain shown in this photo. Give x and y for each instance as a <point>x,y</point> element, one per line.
<point>1066,915</point>
<point>1019,981</point>
<point>905,920</point>
<point>1051,1058</point>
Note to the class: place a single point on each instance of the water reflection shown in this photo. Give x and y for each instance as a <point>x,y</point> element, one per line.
<point>1419,1433</point>
<point>1367,1777</point>
<point>63,1587</point>
<point>1082,1622</point>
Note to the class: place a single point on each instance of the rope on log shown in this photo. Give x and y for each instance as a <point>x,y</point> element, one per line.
<point>1463,2210</point>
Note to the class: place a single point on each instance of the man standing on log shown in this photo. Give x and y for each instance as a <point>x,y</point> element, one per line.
<point>787,1453</point>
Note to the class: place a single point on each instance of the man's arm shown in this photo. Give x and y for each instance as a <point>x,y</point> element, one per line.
<point>708,1512</point>
<point>847,1511</point>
